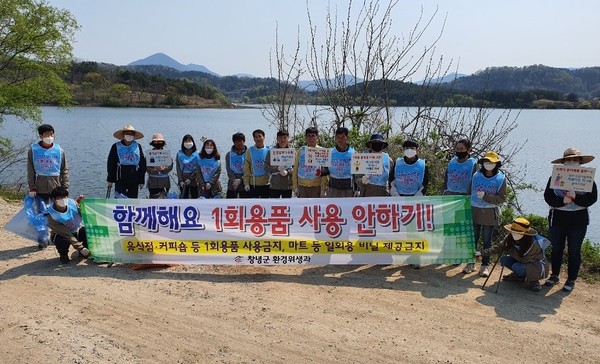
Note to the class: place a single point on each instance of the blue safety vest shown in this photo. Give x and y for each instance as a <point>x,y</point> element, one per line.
<point>382,179</point>
<point>304,171</point>
<point>236,162</point>
<point>460,174</point>
<point>258,160</point>
<point>129,155</point>
<point>70,218</point>
<point>571,206</point>
<point>187,163</point>
<point>409,177</point>
<point>340,166</point>
<point>208,167</point>
<point>489,185</point>
<point>46,162</point>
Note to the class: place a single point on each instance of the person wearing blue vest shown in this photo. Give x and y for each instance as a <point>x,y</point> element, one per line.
<point>341,180</point>
<point>280,185</point>
<point>126,164</point>
<point>159,182</point>
<point>487,191</point>
<point>460,169</point>
<point>66,225</point>
<point>377,185</point>
<point>568,220</point>
<point>307,180</point>
<point>185,164</point>
<point>256,178</point>
<point>409,176</point>
<point>209,170</point>
<point>235,160</point>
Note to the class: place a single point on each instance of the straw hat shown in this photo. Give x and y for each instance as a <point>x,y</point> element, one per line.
<point>120,134</point>
<point>572,153</point>
<point>490,156</point>
<point>377,138</point>
<point>521,226</point>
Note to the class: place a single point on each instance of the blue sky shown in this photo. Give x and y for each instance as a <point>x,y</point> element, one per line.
<point>230,37</point>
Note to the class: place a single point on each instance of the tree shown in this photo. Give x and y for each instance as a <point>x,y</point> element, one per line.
<point>35,51</point>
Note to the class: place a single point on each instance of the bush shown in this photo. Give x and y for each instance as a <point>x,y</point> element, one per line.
<point>590,262</point>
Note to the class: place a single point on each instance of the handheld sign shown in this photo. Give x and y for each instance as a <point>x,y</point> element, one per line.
<point>367,163</point>
<point>318,157</point>
<point>572,178</point>
<point>158,157</point>
<point>282,156</point>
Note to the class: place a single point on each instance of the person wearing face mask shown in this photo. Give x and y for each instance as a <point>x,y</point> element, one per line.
<point>126,164</point>
<point>66,225</point>
<point>460,169</point>
<point>409,176</point>
<point>159,182</point>
<point>487,191</point>
<point>568,220</point>
<point>46,169</point>
<point>525,258</point>
<point>209,174</point>
<point>186,162</point>
<point>280,185</point>
<point>234,164</point>
<point>377,185</point>
<point>256,178</point>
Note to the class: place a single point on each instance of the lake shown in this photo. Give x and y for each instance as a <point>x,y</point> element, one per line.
<point>86,135</point>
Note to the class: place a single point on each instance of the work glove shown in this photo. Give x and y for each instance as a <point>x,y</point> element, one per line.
<point>188,182</point>
<point>296,191</point>
<point>393,190</point>
<point>280,168</point>
<point>323,192</point>
<point>236,183</point>
<point>357,193</point>
<point>207,186</point>
<point>480,195</point>
<point>109,184</point>
<point>365,179</point>
<point>182,184</point>
<point>567,200</point>
<point>32,194</point>
<point>283,173</point>
<point>571,194</point>
<point>247,188</point>
<point>419,192</point>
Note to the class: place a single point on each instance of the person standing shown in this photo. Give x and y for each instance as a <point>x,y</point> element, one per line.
<point>341,180</point>
<point>460,169</point>
<point>377,185</point>
<point>410,175</point>
<point>186,162</point>
<point>256,178</point>
<point>234,164</point>
<point>209,175</point>
<point>280,185</point>
<point>568,220</point>
<point>126,164</point>
<point>487,191</point>
<point>307,181</point>
<point>159,182</point>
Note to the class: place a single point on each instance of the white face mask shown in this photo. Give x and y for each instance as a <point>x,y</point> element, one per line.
<point>571,163</point>
<point>61,202</point>
<point>410,153</point>
<point>516,236</point>
<point>208,150</point>
<point>48,140</point>
<point>188,145</point>
<point>129,138</point>
<point>489,166</point>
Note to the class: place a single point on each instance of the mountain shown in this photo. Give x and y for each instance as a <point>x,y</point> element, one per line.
<point>310,86</point>
<point>161,59</point>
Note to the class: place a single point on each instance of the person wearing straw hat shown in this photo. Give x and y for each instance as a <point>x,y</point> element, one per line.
<point>487,190</point>
<point>159,182</point>
<point>377,185</point>
<point>525,256</point>
<point>568,220</point>
<point>126,164</point>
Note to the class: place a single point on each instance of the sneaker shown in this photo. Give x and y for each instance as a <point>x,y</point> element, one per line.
<point>551,281</point>
<point>513,277</point>
<point>470,268</point>
<point>569,285</point>
<point>64,258</point>
<point>85,253</point>
<point>484,271</point>
<point>535,286</point>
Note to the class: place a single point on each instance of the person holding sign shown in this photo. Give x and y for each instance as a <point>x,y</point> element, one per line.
<point>487,191</point>
<point>187,160</point>
<point>341,181</point>
<point>460,169</point>
<point>569,216</point>
<point>159,166</point>
<point>209,176</point>
<point>280,185</point>
<point>377,185</point>
<point>256,178</point>
<point>307,180</point>
<point>234,164</point>
<point>410,174</point>
<point>126,164</point>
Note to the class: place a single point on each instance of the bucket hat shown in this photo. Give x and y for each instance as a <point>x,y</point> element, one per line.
<point>377,138</point>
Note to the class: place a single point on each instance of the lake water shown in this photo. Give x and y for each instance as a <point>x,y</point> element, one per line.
<point>86,136</point>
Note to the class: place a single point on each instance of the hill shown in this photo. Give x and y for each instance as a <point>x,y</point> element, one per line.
<point>162,59</point>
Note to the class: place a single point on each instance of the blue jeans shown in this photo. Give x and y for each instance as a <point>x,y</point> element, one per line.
<point>513,264</point>
<point>487,239</point>
<point>574,234</point>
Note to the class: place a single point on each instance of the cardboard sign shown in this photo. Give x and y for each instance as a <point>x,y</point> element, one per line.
<point>282,156</point>
<point>318,157</point>
<point>572,178</point>
<point>158,157</point>
<point>367,163</point>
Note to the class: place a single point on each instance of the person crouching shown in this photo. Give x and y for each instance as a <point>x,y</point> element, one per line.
<point>66,225</point>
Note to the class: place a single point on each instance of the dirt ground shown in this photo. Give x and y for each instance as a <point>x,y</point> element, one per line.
<point>84,312</point>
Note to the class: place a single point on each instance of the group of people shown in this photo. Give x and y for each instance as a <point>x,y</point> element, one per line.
<point>250,174</point>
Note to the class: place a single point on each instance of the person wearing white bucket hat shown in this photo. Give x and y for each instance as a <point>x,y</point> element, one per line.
<point>126,164</point>
<point>568,220</point>
<point>159,182</point>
